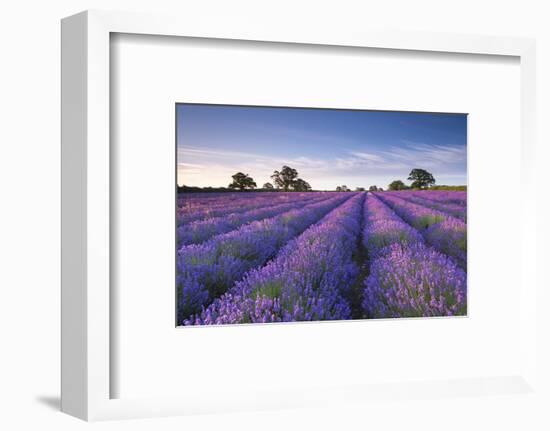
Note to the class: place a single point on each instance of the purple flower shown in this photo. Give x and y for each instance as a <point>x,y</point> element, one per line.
<point>297,257</point>
<point>199,231</point>
<point>215,265</point>
<point>414,281</point>
<point>308,280</point>
<point>446,233</point>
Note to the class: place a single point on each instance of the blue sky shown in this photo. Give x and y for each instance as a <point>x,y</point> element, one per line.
<point>328,147</point>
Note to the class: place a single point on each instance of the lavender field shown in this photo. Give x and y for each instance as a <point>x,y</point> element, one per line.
<point>290,256</point>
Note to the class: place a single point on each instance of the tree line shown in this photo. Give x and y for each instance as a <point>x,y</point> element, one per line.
<point>287,179</point>
<point>421,179</point>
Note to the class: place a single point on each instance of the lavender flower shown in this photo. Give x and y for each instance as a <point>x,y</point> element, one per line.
<point>201,230</point>
<point>446,233</point>
<point>215,265</point>
<point>429,200</point>
<point>414,281</point>
<point>308,280</point>
<point>286,257</point>
<point>383,228</point>
<point>202,206</point>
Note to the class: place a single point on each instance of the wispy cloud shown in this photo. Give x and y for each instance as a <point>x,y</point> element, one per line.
<point>367,156</point>
<point>327,147</point>
<point>190,165</point>
<point>210,152</point>
<point>214,167</point>
<point>290,134</point>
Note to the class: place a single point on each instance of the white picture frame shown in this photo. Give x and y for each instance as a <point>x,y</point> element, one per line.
<point>86,311</point>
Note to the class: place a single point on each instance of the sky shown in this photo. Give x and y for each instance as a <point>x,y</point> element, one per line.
<point>327,147</point>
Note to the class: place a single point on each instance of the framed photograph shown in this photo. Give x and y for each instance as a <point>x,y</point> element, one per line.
<point>316,238</point>
<point>317,204</point>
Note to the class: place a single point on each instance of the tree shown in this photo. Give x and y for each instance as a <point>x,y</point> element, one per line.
<point>242,181</point>
<point>359,189</point>
<point>268,186</point>
<point>373,189</point>
<point>338,188</point>
<point>285,178</point>
<point>342,189</point>
<point>421,179</point>
<point>397,185</point>
<point>301,186</point>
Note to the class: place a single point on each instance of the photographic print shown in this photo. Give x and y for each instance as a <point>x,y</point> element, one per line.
<point>306,214</point>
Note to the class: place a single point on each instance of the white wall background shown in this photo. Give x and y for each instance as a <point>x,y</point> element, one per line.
<point>30,183</point>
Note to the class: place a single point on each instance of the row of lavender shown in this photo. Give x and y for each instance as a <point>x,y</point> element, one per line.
<point>417,260</point>
<point>205,271</point>
<point>201,206</point>
<point>407,278</point>
<point>441,196</point>
<point>446,233</point>
<point>436,201</point>
<point>308,280</point>
<point>199,231</point>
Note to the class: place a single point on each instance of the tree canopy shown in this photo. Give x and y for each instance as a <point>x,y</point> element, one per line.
<point>397,185</point>
<point>268,186</point>
<point>421,179</point>
<point>287,179</point>
<point>301,186</point>
<point>284,178</point>
<point>242,181</point>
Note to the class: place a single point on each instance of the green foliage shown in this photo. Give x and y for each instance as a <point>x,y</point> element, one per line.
<point>270,289</point>
<point>284,178</point>
<point>287,179</point>
<point>450,188</point>
<point>421,179</point>
<point>397,185</point>
<point>242,181</point>
<point>301,186</point>
<point>426,221</point>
